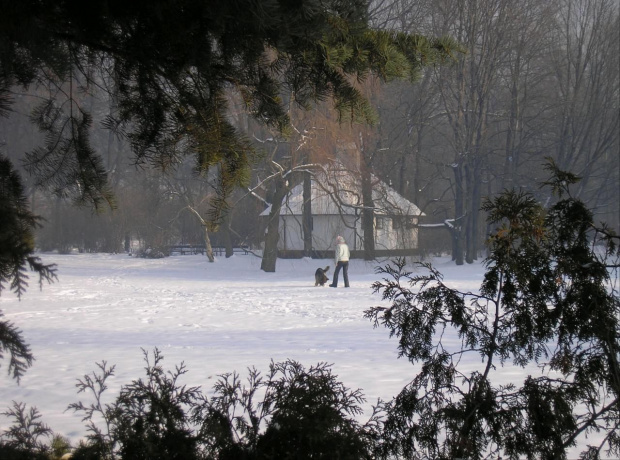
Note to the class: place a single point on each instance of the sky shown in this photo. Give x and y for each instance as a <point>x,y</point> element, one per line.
<point>215,318</point>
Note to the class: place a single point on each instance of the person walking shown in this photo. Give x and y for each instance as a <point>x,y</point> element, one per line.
<point>341,260</point>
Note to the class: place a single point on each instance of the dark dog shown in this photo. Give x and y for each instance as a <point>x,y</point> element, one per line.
<point>320,277</point>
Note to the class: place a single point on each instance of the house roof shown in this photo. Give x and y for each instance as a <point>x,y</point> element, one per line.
<point>340,193</point>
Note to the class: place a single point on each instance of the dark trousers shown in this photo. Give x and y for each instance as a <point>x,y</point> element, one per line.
<point>345,273</point>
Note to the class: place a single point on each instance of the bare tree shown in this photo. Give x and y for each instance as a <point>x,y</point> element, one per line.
<point>289,164</point>
<point>587,90</point>
<point>467,91</point>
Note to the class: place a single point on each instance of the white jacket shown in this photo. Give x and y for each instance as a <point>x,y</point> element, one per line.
<point>341,254</point>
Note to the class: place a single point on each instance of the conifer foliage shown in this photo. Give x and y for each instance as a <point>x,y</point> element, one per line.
<point>16,256</point>
<point>289,413</point>
<point>545,304</point>
<point>168,65</point>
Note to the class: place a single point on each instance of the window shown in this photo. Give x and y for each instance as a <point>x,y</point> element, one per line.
<point>399,222</point>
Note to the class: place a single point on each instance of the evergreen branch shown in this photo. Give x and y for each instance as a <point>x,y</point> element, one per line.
<point>27,428</point>
<point>591,421</point>
<point>12,342</point>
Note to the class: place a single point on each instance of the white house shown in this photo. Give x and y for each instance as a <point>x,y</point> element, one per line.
<point>336,204</point>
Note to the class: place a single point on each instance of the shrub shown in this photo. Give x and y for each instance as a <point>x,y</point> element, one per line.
<point>303,413</point>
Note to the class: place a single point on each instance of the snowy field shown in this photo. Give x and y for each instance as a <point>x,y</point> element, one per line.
<point>216,318</point>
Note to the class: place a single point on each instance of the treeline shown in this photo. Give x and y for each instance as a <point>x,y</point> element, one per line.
<point>538,79</point>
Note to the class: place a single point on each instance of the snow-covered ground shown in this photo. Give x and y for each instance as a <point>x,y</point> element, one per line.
<point>216,317</point>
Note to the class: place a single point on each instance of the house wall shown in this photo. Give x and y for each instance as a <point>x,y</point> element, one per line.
<point>327,227</point>
<point>324,232</point>
<point>291,235</point>
<point>390,236</point>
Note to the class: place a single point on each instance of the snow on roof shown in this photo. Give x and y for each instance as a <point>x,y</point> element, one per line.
<point>341,193</point>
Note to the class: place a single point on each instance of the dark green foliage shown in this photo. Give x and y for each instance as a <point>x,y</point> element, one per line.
<point>150,416</point>
<point>168,66</point>
<point>309,415</point>
<point>100,443</point>
<point>291,413</point>
<point>67,149</point>
<point>148,420</point>
<point>17,234</point>
<point>546,300</point>
<point>8,452</point>
<point>12,342</point>
<point>59,447</point>
<point>25,435</point>
<point>89,452</point>
<point>17,225</point>
<point>303,414</point>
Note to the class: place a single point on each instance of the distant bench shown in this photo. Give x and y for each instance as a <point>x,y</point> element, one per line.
<point>220,250</point>
<point>190,249</point>
<point>186,249</point>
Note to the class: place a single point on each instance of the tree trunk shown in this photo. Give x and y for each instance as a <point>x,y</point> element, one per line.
<point>307,214</point>
<point>270,253</point>
<point>205,225</point>
<point>472,221</point>
<point>511,160</point>
<point>208,248</point>
<point>226,233</point>
<point>368,215</point>
<point>457,239</point>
